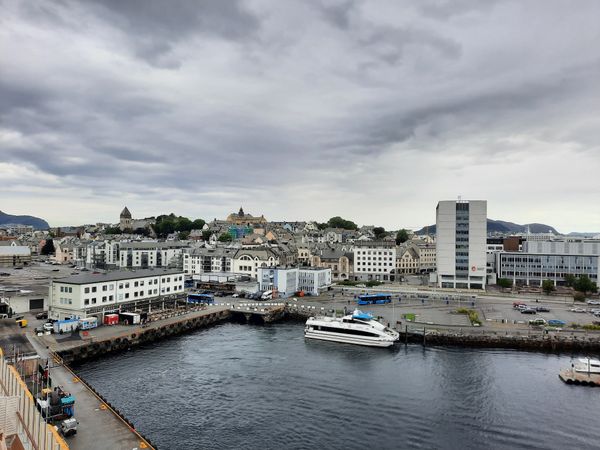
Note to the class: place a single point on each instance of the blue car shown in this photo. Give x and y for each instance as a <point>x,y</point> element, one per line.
<point>556,323</point>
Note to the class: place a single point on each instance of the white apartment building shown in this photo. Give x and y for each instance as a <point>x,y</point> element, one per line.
<point>247,260</point>
<point>287,281</point>
<point>208,260</point>
<point>102,254</point>
<point>94,293</point>
<point>374,260</point>
<point>150,254</point>
<point>461,229</point>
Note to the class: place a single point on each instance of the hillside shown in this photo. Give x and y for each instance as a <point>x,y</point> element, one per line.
<point>35,222</point>
<point>500,226</point>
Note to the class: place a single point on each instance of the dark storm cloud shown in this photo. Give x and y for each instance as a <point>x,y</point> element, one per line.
<point>155,25</point>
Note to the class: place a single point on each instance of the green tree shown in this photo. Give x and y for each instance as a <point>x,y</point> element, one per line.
<point>112,230</point>
<point>570,280</point>
<point>401,236</point>
<point>182,224</point>
<point>225,237</point>
<point>48,248</point>
<point>338,222</point>
<point>206,234</point>
<point>504,283</point>
<point>548,286</point>
<point>322,226</point>
<point>584,284</point>
<point>578,296</point>
<point>198,224</point>
<point>183,235</point>
<point>379,232</point>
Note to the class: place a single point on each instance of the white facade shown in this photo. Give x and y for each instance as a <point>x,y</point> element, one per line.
<point>208,260</point>
<point>461,228</point>
<point>288,281</point>
<point>150,254</point>
<point>80,295</point>
<point>248,261</point>
<point>374,261</point>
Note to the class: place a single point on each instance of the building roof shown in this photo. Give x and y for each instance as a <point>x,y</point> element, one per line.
<point>151,245</point>
<point>125,213</point>
<point>88,278</point>
<point>16,250</point>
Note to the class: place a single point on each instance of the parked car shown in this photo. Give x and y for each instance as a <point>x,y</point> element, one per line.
<point>593,302</point>
<point>577,310</point>
<point>235,295</point>
<point>42,315</point>
<point>542,309</point>
<point>522,307</point>
<point>528,311</point>
<point>48,326</point>
<point>557,323</point>
<point>538,321</point>
<point>516,305</point>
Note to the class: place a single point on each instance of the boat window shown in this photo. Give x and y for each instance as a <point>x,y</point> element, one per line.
<point>348,331</point>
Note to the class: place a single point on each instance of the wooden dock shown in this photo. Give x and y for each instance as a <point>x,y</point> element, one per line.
<point>570,376</point>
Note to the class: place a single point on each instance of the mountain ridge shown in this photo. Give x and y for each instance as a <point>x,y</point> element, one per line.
<point>35,222</point>
<point>501,226</point>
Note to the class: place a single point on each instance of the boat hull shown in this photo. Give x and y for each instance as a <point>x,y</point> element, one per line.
<point>348,339</point>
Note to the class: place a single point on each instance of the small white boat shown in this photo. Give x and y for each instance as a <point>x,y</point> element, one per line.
<point>358,328</point>
<point>587,365</point>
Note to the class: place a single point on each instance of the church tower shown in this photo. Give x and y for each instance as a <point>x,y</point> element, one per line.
<point>125,221</point>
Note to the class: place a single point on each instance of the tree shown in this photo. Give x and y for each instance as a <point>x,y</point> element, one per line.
<point>198,224</point>
<point>206,234</point>
<point>379,232</point>
<point>183,235</point>
<point>322,226</point>
<point>578,296</point>
<point>338,222</point>
<point>401,236</point>
<point>548,286</point>
<point>112,230</point>
<point>225,237</point>
<point>48,248</point>
<point>570,280</point>
<point>584,284</point>
<point>504,283</point>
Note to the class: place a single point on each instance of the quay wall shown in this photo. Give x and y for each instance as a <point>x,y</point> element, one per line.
<point>157,331</point>
<point>479,337</point>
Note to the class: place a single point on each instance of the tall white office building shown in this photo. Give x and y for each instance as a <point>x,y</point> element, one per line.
<point>461,228</point>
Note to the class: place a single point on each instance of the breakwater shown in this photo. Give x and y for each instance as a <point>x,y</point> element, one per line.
<point>425,334</point>
<point>144,334</point>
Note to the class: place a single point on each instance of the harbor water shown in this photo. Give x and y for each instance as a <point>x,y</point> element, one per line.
<point>265,387</point>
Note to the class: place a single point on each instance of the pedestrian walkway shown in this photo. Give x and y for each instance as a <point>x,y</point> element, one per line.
<point>99,428</point>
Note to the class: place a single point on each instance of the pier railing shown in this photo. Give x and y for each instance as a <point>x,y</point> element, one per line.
<point>31,428</point>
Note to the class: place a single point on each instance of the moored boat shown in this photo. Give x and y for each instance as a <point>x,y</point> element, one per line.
<point>357,328</point>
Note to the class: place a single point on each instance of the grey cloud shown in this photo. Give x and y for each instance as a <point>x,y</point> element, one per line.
<point>313,98</point>
<point>156,25</point>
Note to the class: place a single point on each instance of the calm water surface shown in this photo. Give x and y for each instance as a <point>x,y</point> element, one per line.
<point>238,386</point>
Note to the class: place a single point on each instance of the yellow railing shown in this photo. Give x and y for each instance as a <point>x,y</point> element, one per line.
<point>31,424</point>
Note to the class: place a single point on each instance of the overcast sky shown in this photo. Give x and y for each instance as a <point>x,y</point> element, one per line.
<point>372,110</point>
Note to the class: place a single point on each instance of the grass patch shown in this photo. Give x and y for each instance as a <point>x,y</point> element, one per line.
<point>409,317</point>
<point>473,316</point>
<point>591,326</point>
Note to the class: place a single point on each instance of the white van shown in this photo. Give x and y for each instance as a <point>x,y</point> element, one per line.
<point>267,295</point>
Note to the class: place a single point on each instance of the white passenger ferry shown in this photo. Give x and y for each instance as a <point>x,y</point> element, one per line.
<point>587,365</point>
<point>358,328</point>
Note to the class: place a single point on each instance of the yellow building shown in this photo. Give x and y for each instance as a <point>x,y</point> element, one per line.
<point>240,218</point>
